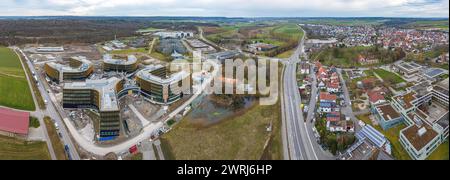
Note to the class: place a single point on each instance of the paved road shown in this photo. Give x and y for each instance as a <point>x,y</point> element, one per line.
<point>300,137</point>
<point>38,113</point>
<point>347,110</point>
<point>52,113</point>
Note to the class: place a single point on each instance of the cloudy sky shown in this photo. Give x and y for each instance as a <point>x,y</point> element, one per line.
<point>228,8</point>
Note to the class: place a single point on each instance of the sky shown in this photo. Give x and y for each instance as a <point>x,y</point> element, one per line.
<point>228,8</point>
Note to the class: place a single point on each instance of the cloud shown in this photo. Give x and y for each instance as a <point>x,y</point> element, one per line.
<point>229,8</point>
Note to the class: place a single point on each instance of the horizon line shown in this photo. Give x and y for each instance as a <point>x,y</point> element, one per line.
<point>228,17</point>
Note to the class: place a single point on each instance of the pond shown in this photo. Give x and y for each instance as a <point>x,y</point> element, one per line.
<point>206,112</point>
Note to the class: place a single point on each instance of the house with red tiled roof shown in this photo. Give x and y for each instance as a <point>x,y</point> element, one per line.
<point>327,97</point>
<point>14,123</point>
<point>334,116</point>
<point>333,87</point>
<point>376,97</point>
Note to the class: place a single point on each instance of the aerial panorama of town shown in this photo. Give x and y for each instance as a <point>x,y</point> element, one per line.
<point>98,86</point>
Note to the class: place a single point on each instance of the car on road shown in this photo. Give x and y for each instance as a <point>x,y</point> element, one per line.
<point>56,126</point>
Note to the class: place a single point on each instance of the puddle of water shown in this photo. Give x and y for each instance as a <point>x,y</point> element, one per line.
<point>206,112</point>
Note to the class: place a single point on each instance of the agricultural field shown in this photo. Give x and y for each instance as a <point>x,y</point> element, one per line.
<point>14,149</point>
<point>285,36</point>
<point>344,21</point>
<point>440,24</point>
<point>239,137</point>
<point>14,89</point>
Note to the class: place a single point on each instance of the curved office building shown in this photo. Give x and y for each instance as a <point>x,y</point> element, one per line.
<point>160,86</point>
<point>121,65</point>
<point>79,69</point>
<point>100,95</point>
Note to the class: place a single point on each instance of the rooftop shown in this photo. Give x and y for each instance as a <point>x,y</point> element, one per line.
<point>85,64</point>
<point>406,100</point>
<point>375,96</point>
<point>434,72</point>
<point>432,112</point>
<point>327,96</point>
<point>146,74</point>
<point>107,58</point>
<point>371,134</point>
<point>409,66</point>
<point>419,136</point>
<point>442,87</point>
<point>388,112</point>
<point>106,89</point>
<point>14,121</point>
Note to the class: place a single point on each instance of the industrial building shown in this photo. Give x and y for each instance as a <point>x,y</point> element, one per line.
<point>160,86</point>
<point>128,65</point>
<point>100,95</point>
<point>79,69</point>
<point>14,123</point>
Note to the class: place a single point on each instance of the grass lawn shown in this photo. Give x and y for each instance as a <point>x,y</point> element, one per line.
<point>393,135</point>
<point>10,63</point>
<point>14,149</point>
<point>58,147</point>
<point>14,89</point>
<point>385,75</point>
<point>159,56</point>
<point>129,51</point>
<point>136,157</point>
<point>286,54</point>
<point>238,138</point>
<point>441,153</point>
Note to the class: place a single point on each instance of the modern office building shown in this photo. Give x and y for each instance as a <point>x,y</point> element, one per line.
<point>79,68</point>
<point>128,65</point>
<point>159,85</point>
<point>387,116</point>
<point>100,95</point>
<point>426,115</point>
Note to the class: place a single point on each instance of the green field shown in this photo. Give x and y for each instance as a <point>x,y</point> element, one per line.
<point>441,153</point>
<point>440,24</point>
<point>285,36</point>
<point>13,149</point>
<point>237,138</point>
<point>129,51</point>
<point>389,76</point>
<point>14,89</point>
<point>344,21</point>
